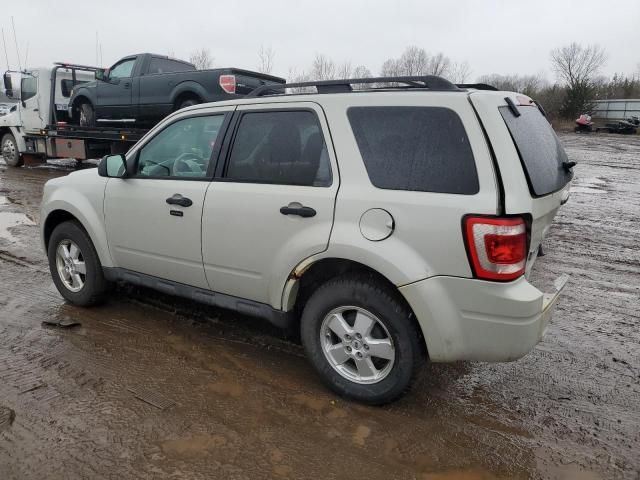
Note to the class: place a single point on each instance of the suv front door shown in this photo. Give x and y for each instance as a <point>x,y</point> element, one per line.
<point>153,217</point>
<point>271,204</point>
<point>114,93</point>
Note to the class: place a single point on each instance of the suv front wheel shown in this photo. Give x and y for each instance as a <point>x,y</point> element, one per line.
<point>75,266</point>
<point>361,339</point>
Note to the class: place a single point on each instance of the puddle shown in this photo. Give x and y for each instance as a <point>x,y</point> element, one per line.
<point>589,185</point>
<point>9,220</point>
<point>587,190</point>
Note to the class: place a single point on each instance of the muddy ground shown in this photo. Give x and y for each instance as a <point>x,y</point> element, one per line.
<point>153,387</point>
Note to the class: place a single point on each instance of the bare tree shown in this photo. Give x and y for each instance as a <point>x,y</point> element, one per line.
<point>439,64</point>
<point>201,58</point>
<point>345,70</point>
<point>530,85</point>
<point>577,67</point>
<point>416,61</point>
<point>459,72</point>
<point>323,68</point>
<point>265,58</point>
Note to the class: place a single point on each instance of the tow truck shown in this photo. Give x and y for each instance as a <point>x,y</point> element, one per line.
<point>38,127</point>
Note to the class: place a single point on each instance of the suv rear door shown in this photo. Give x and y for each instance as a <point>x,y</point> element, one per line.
<point>271,204</point>
<point>530,158</point>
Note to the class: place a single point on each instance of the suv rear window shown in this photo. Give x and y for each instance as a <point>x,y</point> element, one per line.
<point>540,150</point>
<point>423,149</point>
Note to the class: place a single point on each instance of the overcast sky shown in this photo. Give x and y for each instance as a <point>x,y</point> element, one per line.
<point>494,36</point>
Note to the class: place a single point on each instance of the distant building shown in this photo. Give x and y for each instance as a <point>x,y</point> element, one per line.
<point>614,109</point>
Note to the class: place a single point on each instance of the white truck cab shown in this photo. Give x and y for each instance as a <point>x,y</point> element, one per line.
<point>43,95</point>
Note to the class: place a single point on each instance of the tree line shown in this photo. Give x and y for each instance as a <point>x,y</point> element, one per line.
<point>576,85</point>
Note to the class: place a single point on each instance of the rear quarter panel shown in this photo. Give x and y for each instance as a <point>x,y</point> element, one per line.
<point>427,240</point>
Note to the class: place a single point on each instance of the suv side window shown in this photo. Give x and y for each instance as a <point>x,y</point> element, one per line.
<point>122,69</point>
<point>181,150</point>
<point>281,147</point>
<point>423,149</point>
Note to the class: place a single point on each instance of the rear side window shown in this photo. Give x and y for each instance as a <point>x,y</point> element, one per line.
<point>285,147</point>
<point>540,151</point>
<point>423,149</point>
<point>166,65</point>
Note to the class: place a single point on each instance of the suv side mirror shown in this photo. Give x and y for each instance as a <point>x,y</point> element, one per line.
<point>7,85</point>
<point>113,166</point>
<point>102,75</point>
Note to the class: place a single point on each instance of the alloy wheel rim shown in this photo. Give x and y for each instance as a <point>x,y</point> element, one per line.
<point>70,264</point>
<point>357,345</point>
<point>8,150</point>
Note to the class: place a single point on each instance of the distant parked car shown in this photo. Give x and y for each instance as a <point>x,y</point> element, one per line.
<point>143,89</point>
<point>388,225</point>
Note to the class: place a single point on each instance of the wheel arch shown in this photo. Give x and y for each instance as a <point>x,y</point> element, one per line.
<point>187,90</point>
<point>16,135</point>
<point>309,275</point>
<point>62,213</point>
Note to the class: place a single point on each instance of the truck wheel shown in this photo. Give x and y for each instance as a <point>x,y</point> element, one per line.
<point>75,266</point>
<point>87,116</point>
<point>187,103</point>
<point>9,150</point>
<point>361,339</point>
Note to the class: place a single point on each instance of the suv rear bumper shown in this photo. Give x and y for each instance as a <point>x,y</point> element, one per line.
<point>468,319</point>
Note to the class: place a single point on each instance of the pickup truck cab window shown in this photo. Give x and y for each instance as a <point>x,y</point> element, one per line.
<point>122,69</point>
<point>183,149</point>
<point>166,65</point>
<point>285,147</point>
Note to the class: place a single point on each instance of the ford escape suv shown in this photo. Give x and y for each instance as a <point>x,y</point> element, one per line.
<point>389,224</point>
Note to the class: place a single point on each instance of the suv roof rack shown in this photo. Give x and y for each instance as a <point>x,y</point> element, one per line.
<point>431,82</point>
<point>477,86</point>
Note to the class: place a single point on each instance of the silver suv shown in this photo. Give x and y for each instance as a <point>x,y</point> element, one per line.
<point>389,224</point>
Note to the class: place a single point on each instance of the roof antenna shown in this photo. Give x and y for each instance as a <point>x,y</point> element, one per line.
<point>15,40</point>
<point>4,43</point>
<point>26,56</point>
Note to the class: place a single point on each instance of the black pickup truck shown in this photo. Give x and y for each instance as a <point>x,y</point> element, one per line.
<point>142,89</point>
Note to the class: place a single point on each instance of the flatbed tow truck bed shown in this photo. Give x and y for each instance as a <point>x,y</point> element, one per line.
<point>72,141</point>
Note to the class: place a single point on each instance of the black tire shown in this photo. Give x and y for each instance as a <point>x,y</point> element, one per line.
<point>86,115</point>
<point>9,151</point>
<point>95,285</point>
<point>188,103</point>
<point>366,292</point>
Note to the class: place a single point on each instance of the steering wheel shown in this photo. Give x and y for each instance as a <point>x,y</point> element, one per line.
<point>182,164</point>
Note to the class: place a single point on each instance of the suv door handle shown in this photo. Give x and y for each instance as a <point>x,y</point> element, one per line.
<point>178,199</point>
<point>301,211</point>
<point>127,85</point>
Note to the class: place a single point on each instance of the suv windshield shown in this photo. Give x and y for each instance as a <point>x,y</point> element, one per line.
<point>540,150</point>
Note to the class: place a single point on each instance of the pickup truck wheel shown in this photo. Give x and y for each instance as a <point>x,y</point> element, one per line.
<point>75,266</point>
<point>87,115</point>
<point>9,150</point>
<point>360,338</point>
<point>188,103</point>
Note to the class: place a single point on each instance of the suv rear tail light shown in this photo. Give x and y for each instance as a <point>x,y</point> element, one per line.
<point>228,83</point>
<point>497,247</point>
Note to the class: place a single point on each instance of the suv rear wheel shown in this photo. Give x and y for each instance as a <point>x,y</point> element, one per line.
<point>360,338</point>
<point>75,266</point>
